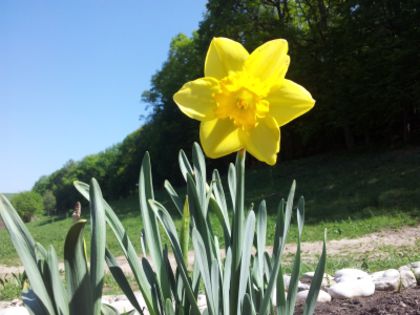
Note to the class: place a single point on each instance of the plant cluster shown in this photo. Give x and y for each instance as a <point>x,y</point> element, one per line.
<point>236,282</point>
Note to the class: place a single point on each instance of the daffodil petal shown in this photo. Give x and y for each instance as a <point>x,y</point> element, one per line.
<point>289,101</point>
<point>269,62</point>
<point>263,142</point>
<point>224,55</point>
<point>195,98</point>
<point>219,137</point>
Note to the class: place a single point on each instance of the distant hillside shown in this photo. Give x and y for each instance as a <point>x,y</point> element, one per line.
<point>361,70</point>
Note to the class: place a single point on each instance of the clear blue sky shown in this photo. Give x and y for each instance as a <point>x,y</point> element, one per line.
<point>72,74</point>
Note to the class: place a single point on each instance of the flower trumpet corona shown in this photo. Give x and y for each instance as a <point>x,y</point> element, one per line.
<point>243,99</point>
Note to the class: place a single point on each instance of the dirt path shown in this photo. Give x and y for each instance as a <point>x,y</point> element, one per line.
<point>369,244</point>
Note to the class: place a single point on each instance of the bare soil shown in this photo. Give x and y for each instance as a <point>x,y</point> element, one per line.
<point>406,302</point>
<point>370,243</point>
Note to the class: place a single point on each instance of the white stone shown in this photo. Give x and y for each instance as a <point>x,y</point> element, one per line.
<point>301,286</point>
<point>415,268</point>
<point>327,279</point>
<point>416,272</point>
<point>387,280</point>
<point>349,274</point>
<point>323,297</point>
<point>415,265</point>
<point>349,287</point>
<point>15,310</point>
<point>202,302</point>
<point>408,279</point>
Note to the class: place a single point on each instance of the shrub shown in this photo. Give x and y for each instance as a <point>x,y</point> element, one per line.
<point>28,204</point>
<point>49,201</point>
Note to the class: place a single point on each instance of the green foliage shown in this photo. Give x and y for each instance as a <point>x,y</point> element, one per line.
<point>348,200</point>
<point>240,283</point>
<point>12,285</point>
<point>357,58</point>
<point>47,293</point>
<point>60,183</point>
<point>49,201</point>
<point>28,204</point>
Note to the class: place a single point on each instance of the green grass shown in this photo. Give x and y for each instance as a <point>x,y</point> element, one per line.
<point>349,194</point>
<point>9,289</point>
<point>388,257</point>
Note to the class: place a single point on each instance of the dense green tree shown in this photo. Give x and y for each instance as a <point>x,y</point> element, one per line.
<point>28,204</point>
<point>359,58</point>
<point>49,201</point>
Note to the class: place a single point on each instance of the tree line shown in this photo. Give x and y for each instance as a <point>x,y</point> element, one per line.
<point>360,59</point>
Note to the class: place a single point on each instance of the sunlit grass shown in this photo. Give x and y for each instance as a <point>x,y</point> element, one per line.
<point>350,195</point>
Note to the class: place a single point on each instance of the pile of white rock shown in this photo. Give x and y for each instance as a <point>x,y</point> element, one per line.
<point>345,284</point>
<point>350,283</point>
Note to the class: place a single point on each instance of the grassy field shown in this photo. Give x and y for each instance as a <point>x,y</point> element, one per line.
<point>349,194</point>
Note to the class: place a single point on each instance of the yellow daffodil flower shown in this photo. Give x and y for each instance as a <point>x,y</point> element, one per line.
<point>243,99</point>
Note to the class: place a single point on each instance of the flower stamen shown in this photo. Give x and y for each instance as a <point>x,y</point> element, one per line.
<point>241,99</point>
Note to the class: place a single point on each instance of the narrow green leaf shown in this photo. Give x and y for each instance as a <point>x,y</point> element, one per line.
<point>153,240</point>
<point>184,164</point>
<point>169,227</point>
<point>246,258</point>
<point>224,221</point>
<point>185,230</point>
<point>294,280</point>
<point>107,309</point>
<point>280,293</point>
<point>219,205</point>
<point>288,214</point>
<point>311,300</point>
<point>215,284</point>
<point>203,265</point>
<point>264,307</point>
<point>176,199</point>
<point>232,184</point>
<point>33,304</point>
<point>77,274</point>
<point>261,239</point>
<point>169,309</point>
<point>198,215</point>
<point>219,193</point>
<point>153,281</point>
<point>60,295</point>
<point>196,278</point>
<point>248,306</point>
<point>122,281</point>
<point>97,248</point>
<point>226,282</point>
<point>143,246</point>
<point>127,248</point>
<point>25,247</point>
<point>301,214</point>
<point>218,256</point>
<point>200,176</point>
<point>278,232</point>
<point>238,228</point>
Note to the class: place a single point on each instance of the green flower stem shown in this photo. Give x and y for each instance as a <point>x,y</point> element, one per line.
<point>238,229</point>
